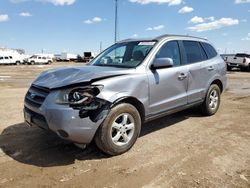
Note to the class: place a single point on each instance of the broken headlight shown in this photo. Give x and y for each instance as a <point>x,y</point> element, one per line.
<point>78,96</point>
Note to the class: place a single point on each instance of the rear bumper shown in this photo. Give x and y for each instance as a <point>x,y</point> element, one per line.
<point>237,65</point>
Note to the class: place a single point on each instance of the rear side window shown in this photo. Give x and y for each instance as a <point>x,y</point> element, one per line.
<point>170,50</point>
<point>194,52</point>
<point>1,57</point>
<point>6,57</point>
<point>211,52</point>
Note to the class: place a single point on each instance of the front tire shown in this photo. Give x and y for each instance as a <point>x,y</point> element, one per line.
<point>120,130</point>
<point>212,101</point>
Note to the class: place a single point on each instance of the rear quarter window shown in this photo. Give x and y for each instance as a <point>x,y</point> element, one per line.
<point>210,51</point>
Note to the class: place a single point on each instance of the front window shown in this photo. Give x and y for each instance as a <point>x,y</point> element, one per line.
<point>128,54</point>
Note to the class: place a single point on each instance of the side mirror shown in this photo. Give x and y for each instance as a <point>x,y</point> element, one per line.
<point>160,63</point>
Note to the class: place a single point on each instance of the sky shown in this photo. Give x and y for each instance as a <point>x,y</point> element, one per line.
<point>75,26</point>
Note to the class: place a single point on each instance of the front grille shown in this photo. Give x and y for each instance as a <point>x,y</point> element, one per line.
<point>36,96</point>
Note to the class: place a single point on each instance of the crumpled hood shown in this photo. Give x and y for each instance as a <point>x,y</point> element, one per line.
<point>61,77</point>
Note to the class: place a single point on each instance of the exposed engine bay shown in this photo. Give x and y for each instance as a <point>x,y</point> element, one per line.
<point>84,99</point>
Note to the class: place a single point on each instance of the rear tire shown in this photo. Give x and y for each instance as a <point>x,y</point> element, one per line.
<point>120,130</point>
<point>229,68</point>
<point>212,101</point>
<point>18,63</point>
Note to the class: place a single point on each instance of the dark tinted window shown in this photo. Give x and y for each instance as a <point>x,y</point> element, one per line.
<point>194,52</point>
<point>211,52</point>
<point>6,57</point>
<point>170,50</point>
<point>242,55</point>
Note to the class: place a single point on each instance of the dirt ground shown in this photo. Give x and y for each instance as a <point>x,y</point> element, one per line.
<point>181,150</point>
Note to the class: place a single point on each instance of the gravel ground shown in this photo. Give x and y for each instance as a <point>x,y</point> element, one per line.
<point>180,150</point>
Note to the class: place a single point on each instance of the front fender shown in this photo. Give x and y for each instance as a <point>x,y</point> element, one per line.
<point>133,85</point>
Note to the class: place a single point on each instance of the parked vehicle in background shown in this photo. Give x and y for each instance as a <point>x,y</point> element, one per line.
<point>38,59</point>
<point>68,57</point>
<point>240,60</point>
<point>11,59</point>
<point>87,57</point>
<point>131,82</point>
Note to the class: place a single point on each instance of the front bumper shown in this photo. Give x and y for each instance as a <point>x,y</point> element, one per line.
<point>61,119</point>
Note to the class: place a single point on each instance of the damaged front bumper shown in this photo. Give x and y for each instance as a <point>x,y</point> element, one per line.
<point>78,125</point>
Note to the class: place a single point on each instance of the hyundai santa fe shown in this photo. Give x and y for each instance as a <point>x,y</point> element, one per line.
<point>131,82</point>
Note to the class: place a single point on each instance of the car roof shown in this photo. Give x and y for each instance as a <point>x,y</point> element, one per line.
<point>162,37</point>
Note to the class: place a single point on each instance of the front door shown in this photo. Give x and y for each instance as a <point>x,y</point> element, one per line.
<point>168,86</point>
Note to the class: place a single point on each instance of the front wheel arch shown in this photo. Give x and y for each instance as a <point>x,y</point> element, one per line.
<point>133,101</point>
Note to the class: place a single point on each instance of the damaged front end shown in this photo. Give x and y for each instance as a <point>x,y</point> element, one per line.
<point>85,100</point>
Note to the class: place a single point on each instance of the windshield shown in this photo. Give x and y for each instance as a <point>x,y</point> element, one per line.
<point>128,54</point>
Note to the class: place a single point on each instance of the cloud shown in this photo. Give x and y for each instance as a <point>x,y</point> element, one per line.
<point>25,14</point>
<point>169,2</point>
<point>156,28</point>
<point>243,20</point>
<point>93,20</point>
<point>211,18</point>
<point>246,38</point>
<point>185,9</point>
<point>196,20</point>
<point>241,1</point>
<point>4,17</point>
<point>54,2</point>
<point>217,24</point>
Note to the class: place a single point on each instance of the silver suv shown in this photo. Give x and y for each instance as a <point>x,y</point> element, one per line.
<point>131,82</point>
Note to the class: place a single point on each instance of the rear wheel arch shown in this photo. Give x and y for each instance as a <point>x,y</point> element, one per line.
<point>219,84</point>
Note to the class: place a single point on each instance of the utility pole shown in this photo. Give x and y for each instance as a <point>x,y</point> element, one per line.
<point>116,12</point>
<point>100,47</point>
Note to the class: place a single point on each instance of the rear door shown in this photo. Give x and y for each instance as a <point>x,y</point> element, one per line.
<point>168,86</point>
<point>198,77</point>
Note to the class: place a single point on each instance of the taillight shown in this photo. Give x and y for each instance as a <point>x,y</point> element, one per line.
<point>244,60</point>
<point>225,60</point>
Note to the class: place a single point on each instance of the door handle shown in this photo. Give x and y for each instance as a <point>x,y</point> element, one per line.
<point>182,76</point>
<point>211,68</point>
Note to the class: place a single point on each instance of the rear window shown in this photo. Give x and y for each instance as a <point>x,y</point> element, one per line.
<point>242,55</point>
<point>210,51</point>
<point>194,52</point>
